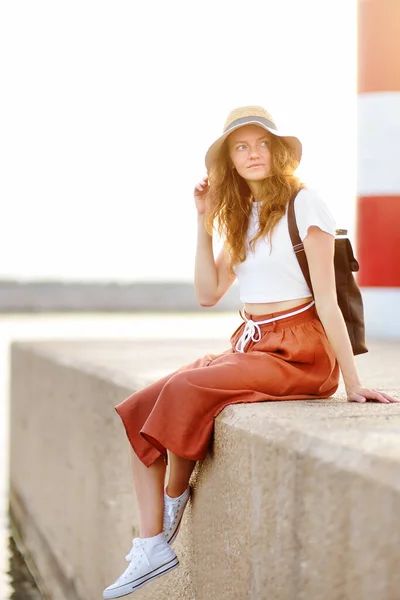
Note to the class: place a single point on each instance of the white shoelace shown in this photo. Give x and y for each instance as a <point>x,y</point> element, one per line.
<point>138,542</point>
<point>253,327</point>
<point>136,551</point>
<point>168,513</point>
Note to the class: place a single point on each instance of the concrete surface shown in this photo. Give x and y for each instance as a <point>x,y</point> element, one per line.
<point>58,296</point>
<point>296,500</point>
<point>80,326</point>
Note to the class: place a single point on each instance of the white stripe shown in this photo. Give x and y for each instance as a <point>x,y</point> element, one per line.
<point>378,144</point>
<point>381,312</point>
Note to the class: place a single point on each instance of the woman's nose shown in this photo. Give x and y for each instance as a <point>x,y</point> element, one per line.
<point>254,151</point>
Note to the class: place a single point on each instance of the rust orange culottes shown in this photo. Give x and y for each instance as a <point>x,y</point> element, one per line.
<point>293,360</point>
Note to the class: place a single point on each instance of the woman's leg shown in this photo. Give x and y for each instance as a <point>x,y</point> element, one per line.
<point>149,488</point>
<point>180,470</point>
<point>151,557</point>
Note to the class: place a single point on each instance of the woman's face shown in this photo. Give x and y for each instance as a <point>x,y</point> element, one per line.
<point>249,151</point>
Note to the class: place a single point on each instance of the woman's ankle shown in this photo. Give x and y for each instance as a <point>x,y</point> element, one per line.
<point>150,532</point>
<point>174,493</point>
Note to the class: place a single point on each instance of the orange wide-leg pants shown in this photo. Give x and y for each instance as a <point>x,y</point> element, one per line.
<point>293,360</point>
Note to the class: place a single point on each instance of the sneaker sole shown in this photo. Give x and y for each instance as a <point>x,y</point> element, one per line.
<point>128,588</point>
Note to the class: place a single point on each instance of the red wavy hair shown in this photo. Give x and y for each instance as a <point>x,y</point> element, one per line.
<point>229,203</point>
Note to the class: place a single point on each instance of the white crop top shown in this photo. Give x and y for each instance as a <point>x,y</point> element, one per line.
<point>275,277</point>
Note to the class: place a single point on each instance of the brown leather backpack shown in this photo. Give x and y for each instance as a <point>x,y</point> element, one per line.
<point>348,293</point>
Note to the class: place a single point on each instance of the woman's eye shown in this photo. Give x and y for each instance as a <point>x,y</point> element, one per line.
<point>241,147</point>
<point>264,144</point>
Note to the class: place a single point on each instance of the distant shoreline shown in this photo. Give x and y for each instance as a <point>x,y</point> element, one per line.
<point>59,296</point>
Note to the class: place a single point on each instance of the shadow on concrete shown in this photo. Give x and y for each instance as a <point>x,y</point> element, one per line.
<point>21,581</point>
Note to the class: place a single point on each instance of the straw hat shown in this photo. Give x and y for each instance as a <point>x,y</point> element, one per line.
<point>247,115</point>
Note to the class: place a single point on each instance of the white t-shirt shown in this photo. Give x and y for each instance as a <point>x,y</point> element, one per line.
<point>275,277</point>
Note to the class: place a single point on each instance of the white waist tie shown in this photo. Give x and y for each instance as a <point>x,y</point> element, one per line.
<point>252,327</point>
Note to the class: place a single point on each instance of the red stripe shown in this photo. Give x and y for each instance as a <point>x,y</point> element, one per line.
<point>377,241</point>
<point>378,45</point>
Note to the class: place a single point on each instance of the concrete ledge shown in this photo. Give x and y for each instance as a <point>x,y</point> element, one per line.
<point>57,296</point>
<point>296,500</point>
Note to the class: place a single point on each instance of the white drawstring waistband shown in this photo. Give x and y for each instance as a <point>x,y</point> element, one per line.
<point>252,327</point>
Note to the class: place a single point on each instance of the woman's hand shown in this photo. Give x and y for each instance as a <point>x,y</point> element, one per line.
<point>200,195</point>
<point>357,393</point>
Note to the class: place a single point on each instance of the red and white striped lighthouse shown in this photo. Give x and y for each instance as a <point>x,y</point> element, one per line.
<point>378,203</point>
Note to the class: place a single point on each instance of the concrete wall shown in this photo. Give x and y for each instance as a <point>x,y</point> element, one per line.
<point>296,500</point>
<point>54,296</point>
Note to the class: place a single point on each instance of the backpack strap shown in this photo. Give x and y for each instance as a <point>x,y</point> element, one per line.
<point>297,244</point>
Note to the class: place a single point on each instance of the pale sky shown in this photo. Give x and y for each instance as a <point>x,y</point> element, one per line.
<point>108,108</point>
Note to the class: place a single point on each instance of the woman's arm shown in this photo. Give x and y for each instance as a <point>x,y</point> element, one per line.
<point>212,277</point>
<point>319,247</point>
<point>205,270</point>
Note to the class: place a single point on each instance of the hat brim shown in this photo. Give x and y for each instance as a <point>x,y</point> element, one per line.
<point>293,142</point>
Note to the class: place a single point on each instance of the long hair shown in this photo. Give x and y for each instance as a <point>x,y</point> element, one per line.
<point>229,203</point>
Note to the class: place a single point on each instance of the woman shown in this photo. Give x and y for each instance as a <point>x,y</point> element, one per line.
<point>288,347</point>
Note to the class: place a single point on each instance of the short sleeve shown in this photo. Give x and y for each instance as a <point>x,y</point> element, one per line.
<point>310,209</point>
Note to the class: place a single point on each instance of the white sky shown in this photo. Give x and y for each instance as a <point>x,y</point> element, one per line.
<point>107,110</point>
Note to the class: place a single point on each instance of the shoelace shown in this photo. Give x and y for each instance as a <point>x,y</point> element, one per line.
<point>253,327</point>
<point>169,518</point>
<point>137,550</point>
<point>169,513</point>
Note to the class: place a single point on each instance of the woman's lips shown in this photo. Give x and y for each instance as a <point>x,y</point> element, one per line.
<point>254,166</point>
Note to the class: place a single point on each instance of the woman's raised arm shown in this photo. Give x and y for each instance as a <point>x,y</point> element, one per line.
<point>212,278</point>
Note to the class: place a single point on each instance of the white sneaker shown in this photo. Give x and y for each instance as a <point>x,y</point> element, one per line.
<point>148,559</point>
<point>173,513</point>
